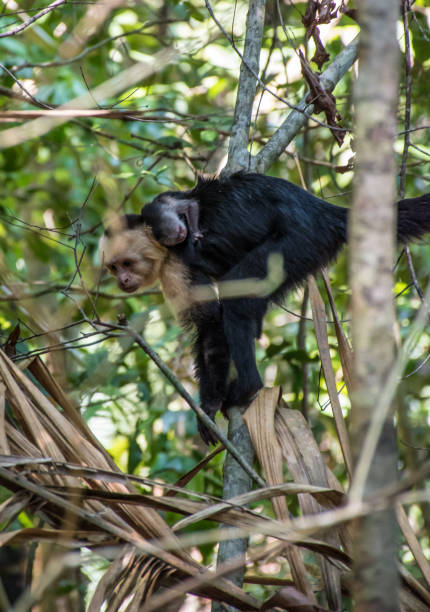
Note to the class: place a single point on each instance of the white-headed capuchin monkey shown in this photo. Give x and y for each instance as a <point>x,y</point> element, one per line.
<point>164,216</point>
<point>130,252</point>
<point>245,219</point>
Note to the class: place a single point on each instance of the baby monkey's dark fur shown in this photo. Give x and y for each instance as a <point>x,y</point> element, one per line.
<point>245,219</point>
<point>164,216</point>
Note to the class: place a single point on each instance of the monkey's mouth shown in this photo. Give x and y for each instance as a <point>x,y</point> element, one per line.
<point>129,288</point>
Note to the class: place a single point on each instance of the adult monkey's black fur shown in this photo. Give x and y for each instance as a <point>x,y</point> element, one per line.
<point>246,218</point>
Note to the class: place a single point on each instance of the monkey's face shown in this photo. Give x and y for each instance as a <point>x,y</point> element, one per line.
<point>134,257</point>
<point>127,273</point>
<point>172,230</point>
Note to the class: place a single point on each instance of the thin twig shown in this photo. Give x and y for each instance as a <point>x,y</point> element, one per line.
<point>28,23</point>
<point>88,50</point>
<point>24,89</point>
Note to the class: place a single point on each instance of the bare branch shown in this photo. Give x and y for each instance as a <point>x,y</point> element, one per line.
<point>24,89</point>
<point>28,23</point>
<point>298,118</point>
<point>116,84</point>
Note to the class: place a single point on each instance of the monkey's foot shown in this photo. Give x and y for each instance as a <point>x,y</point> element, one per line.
<point>250,397</point>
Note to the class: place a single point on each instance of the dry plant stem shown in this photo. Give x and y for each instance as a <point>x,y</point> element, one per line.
<point>371,238</point>
<point>301,345</point>
<point>238,156</point>
<point>413,543</point>
<point>319,315</point>
<point>235,482</point>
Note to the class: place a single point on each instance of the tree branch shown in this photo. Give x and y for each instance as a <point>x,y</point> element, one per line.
<point>238,156</point>
<point>235,482</point>
<point>298,118</point>
<point>27,23</point>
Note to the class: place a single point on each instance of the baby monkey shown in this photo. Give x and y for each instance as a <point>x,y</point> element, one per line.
<point>168,227</point>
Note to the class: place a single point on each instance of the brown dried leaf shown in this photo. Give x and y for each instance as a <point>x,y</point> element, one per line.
<point>12,339</point>
<point>110,577</point>
<point>309,19</point>
<point>44,431</point>
<point>350,12</point>
<point>317,12</point>
<point>289,598</point>
<point>226,511</point>
<point>71,410</point>
<point>260,420</point>
<point>320,57</point>
<point>306,464</point>
<point>68,537</point>
<point>322,100</point>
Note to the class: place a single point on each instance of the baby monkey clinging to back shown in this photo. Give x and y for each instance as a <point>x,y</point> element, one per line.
<point>168,227</point>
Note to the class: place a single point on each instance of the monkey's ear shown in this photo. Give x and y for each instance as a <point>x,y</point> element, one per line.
<point>157,233</point>
<point>148,213</point>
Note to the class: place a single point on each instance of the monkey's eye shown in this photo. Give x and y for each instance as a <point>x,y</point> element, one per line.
<point>112,267</point>
<point>127,263</point>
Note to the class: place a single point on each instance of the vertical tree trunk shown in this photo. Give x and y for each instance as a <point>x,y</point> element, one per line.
<point>372,242</point>
<point>236,482</point>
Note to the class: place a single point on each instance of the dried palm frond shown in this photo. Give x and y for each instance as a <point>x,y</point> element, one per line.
<point>33,430</point>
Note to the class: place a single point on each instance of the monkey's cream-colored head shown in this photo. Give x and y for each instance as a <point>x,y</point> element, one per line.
<point>131,254</point>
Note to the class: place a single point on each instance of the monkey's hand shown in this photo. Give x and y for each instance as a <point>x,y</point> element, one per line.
<point>197,235</point>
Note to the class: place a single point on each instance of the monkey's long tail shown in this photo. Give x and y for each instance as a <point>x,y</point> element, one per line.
<point>413,218</point>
